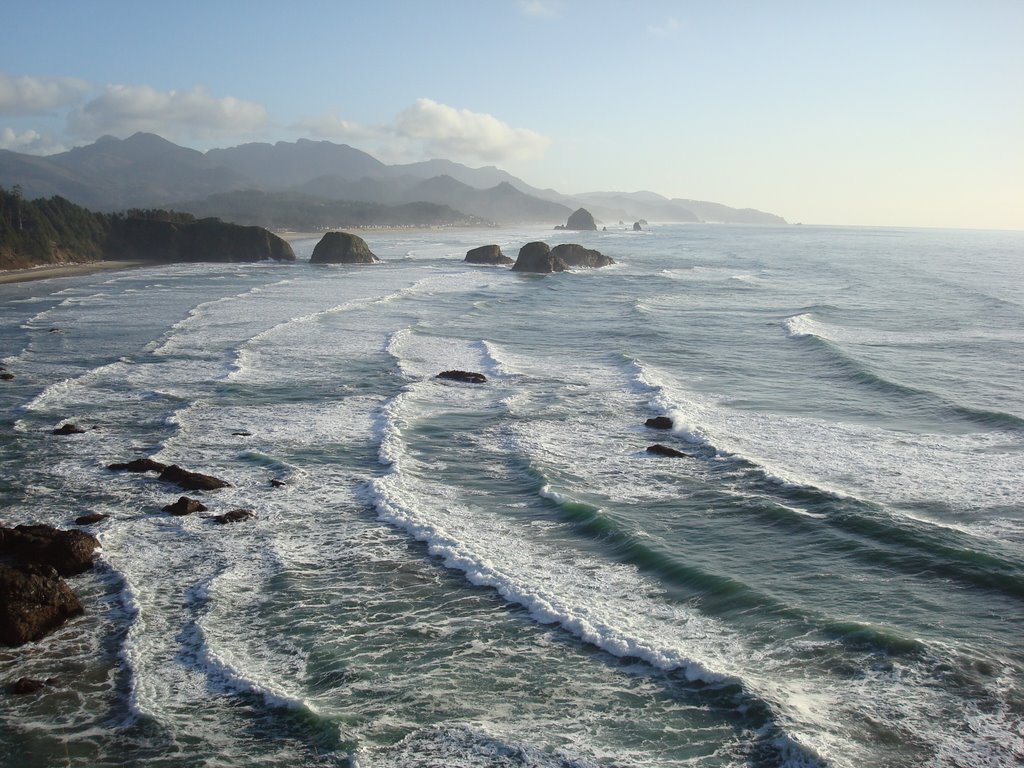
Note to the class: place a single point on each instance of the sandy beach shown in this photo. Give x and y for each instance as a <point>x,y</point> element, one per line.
<point>64,270</point>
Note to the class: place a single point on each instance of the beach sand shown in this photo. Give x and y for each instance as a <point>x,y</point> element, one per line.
<point>64,270</point>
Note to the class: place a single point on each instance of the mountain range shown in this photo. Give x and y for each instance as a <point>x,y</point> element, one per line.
<point>145,171</point>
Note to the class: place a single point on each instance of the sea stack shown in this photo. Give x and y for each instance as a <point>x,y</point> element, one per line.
<point>537,257</point>
<point>581,220</point>
<point>573,255</point>
<point>487,254</point>
<point>342,248</point>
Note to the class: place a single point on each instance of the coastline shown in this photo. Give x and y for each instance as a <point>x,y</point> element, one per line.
<point>48,271</point>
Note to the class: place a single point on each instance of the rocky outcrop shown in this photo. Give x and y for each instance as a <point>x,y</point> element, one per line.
<point>537,257</point>
<point>34,601</point>
<point>234,516</point>
<point>470,377</point>
<point>581,220</point>
<point>69,552</point>
<point>185,506</point>
<point>342,248</point>
<point>487,254</point>
<point>573,255</point>
<point>663,450</point>
<point>637,227</point>
<point>95,517</point>
<point>144,239</point>
<point>138,465</point>
<point>192,481</point>
<point>68,428</point>
<point>659,422</point>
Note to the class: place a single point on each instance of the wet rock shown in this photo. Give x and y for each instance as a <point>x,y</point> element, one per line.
<point>234,516</point>
<point>573,255</point>
<point>277,483</point>
<point>185,506</point>
<point>192,481</point>
<point>6,376</point>
<point>69,552</point>
<point>663,450</point>
<point>241,434</point>
<point>470,377</point>
<point>342,248</point>
<point>487,254</point>
<point>26,685</point>
<point>95,517</point>
<point>138,465</point>
<point>34,601</point>
<point>637,227</point>
<point>537,257</point>
<point>659,422</point>
<point>68,428</point>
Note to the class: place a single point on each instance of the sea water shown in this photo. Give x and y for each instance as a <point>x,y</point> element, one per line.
<point>500,574</point>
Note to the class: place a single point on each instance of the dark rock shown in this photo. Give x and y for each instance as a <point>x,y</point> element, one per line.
<point>192,481</point>
<point>235,516</point>
<point>274,482</point>
<point>581,219</point>
<point>637,227</point>
<point>68,428</point>
<point>95,517</point>
<point>138,465</point>
<point>659,422</point>
<point>143,239</point>
<point>242,434</point>
<point>34,601</point>
<point>185,506</point>
<point>573,255</point>
<point>55,330</point>
<point>69,552</point>
<point>342,248</point>
<point>537,257</point>
<point>6,376</point>
<point>470,377</point>
<point>663,450</point>
<point>487,254</point>
<point>26,685</point>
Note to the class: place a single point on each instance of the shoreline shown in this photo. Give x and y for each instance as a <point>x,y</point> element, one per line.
<point>49,271</point>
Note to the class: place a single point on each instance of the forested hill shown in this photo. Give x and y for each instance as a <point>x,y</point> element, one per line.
<point>55,231</point>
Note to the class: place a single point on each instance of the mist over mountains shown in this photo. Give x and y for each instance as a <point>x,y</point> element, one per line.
<point>321,184</point>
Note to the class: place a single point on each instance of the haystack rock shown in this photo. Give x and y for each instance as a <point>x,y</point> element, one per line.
<point>342,248</point>
<point>487,254</point>
<point>573,255</point>
<point>581,219</point>
<point>636,226</point>
<point>537,257</point>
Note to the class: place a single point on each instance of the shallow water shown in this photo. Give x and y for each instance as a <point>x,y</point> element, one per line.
<point>501,575</point>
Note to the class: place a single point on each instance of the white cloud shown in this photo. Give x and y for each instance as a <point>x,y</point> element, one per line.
<point>335,128</point>
<point>26,95</point>
<point>125,109</point>
<point>667,29</point>
<point>542,9</point>
<point>459,133</point>
<point>30,142</point>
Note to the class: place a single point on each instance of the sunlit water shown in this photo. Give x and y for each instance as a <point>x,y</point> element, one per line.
<point>499,574</point>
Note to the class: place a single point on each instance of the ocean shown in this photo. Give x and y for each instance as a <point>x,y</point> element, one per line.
<point>500,574</point>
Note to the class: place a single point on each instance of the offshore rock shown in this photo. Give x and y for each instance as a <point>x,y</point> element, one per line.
<point>470,377</point>
<point>34,601</point>
<point>637,227</point>
<point>659,422</point>
<point>68,428</point>
<point>234,516</point>
<point>68,552</point>
<point>138,465</point>
<point>95,517</point>
<point>537,257</point>
<point>663,450</point>
<point>582,220</point>
<point>342,248</point>
<point>487,254</point>
<point>573,255</point>
<point>192,481</point>
<point>185,506</point>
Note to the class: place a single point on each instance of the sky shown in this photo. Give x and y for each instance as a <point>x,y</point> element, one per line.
<point>898,113</point>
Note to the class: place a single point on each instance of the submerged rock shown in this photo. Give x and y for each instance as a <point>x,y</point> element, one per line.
<point>192,481</point>
<point>185,506</point>
<point>581,220</point>
<point>234,516</point>
<point>470,377</point>
<point>69,552</point>
<point>342,248</point>
<point>659,422</point>
<point>34,601</point>
<point>68,428</point>
<point>487,254</point>
<point>95,517</point>
<point>663,450</point>
<point>138,465</point>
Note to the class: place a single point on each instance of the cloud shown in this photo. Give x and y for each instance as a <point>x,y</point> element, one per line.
<point>125,109</point>
<point>26,95</point>
<point>669,28</point>
<point>448,131</point>
<point>30,142</point>
<point>335,128</point>
<point>541,9</point>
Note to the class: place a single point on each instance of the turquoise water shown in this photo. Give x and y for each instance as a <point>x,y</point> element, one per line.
<point>460,575</point>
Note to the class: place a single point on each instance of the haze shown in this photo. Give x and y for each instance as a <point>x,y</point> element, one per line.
<point>897,114</point>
